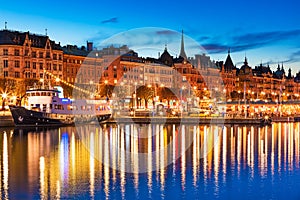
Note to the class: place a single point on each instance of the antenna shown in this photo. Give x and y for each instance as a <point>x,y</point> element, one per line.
<point>5,26</point>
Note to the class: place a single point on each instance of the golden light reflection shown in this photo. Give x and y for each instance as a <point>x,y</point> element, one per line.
<point>1,164</point>
<point>290,145</point>
<point>251,151</point>
<point>92,165</point>
<point>106,166</point>
<point>73,156</point>
<point>205,133</point>
<point>261,150</point>
<point>297,144</point>
<point>232,148</point>
<point>162,157</point>
<point>43,193</point>
<point>183,159</point>
<point>135,157</point>
<point>266,149</point>
<point>244,135</point>
<point>285,145</point>
<point>279,147</point>
<point>5,166</point>
<point>57,196</point>
<point>150,163</point>
<point>195,156</point>
<point>157,147</point>
<point>114,144</point>
<point>100,151</point>
<point>122,162</point>
<point>273,150</point>
<point>239,149</point>
<point>224,156</point>
<point>175,140</point>
<point>217,157</point>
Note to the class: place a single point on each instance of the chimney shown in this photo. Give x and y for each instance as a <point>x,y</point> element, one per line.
<point>89,46</point>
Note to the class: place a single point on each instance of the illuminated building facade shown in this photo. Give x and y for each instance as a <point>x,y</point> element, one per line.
<point>24,55</point>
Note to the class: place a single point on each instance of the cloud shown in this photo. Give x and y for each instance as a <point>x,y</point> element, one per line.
<point>166,32</point>
<point>250,41</point>
<point>111,20</point>
<point>215,48</point>
<point>202,38</point>
<point>294,57</point>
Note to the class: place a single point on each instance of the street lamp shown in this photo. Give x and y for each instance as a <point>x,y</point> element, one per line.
<point>134,95</point>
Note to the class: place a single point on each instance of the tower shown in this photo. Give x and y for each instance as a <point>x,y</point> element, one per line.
<point>228,63</point>
<point>182,52</point>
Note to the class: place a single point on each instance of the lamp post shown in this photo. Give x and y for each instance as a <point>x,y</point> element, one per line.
<point>135,96</point>
<point>181,104</point>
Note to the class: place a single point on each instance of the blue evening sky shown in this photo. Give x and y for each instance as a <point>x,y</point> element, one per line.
<point>266,31</point>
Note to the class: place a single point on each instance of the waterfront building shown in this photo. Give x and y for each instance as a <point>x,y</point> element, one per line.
<point>24,58</point>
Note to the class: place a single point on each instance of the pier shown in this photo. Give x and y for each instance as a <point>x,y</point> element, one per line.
<point>186,120</point>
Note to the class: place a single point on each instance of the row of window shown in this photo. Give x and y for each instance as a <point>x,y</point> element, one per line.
<point>41,94</point>
<point>76,61</point>
<point>34,54</point>
<point>34,65</point>
<point>73,61</point>
<point>17,74</point>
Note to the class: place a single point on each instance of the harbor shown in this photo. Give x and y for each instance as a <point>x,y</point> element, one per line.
<point>6,120</point>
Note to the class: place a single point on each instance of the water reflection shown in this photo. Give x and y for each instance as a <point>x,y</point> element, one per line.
<point>5,165</point>
<point>92,162</point>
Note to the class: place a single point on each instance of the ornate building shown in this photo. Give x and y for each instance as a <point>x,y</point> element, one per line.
<point>25,55</point>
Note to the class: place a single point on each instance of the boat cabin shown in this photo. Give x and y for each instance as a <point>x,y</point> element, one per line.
<point>49,101</point>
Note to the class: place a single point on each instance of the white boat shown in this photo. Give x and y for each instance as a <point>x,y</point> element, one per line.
<point>48,107</point>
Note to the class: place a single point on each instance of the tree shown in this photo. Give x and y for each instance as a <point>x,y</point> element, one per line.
<point>106,90</point>
<point>167,93</point>
<point>145,93</point>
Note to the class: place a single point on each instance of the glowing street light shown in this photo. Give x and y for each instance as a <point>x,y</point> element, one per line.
<point>4,95</point>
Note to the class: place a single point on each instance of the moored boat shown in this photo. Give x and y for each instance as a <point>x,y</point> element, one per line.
<point>48,107</point>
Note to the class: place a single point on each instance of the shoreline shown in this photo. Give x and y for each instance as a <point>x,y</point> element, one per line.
<point>185,120</point>
<point>7,121</point>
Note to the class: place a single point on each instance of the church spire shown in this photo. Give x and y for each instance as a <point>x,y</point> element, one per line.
<point>246,61</point>
<point>182,52</point>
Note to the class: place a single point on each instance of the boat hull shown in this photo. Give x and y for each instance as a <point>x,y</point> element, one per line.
<point>25,117</point>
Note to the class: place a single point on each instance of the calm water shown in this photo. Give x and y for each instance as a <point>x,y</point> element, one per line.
<point>111,162</point>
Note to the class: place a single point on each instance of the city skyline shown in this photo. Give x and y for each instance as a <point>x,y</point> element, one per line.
<point>264,33</point>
